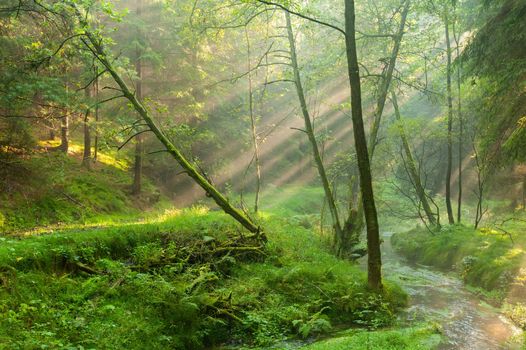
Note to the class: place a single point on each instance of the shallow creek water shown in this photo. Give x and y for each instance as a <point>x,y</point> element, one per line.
<point>467,322</point>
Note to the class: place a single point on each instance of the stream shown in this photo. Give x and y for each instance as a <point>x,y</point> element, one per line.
<point>467,322</point>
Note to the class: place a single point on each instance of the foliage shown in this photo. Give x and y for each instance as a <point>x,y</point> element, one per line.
<point>495,65</point>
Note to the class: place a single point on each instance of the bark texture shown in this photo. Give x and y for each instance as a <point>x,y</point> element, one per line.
<point>137,163</point>
<point>64,134</point>
<point>449,121</point>
<point>86,157</point>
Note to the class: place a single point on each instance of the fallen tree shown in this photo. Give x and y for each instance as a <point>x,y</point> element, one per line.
<point>96,47</point>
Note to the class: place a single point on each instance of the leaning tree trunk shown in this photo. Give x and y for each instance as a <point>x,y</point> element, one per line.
<point>374,262</point>
<point>309,130</point>
<point>411,166</point>
<point>449,122</point>
<point>385,82</point>
<point>100,53</point>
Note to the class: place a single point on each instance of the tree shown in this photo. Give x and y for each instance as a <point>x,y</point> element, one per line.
<point>253,120</point>
<point>137,163</point>
<point>96,46</point>
<point>86,157</point>
<point>460,140</point>
<point>373,233</point>
<point>309,131</point>
<point>449,117</point>
<point>384,84</point>
<point>386,78</point>
<point>411,167</point>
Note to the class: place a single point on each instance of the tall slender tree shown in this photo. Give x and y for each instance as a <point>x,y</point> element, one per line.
<point>460,140</point>
<point>449,116</point>
<point>86,157</point>
<point>386,79</point>
<point>137,164</point>
<point>309,130</point>
<point>253,121</point>
<point>411,166</point>
<point>374,272</point>
<point>355,219</point>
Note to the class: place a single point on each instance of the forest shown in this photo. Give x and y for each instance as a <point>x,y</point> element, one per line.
<point>263,174</point>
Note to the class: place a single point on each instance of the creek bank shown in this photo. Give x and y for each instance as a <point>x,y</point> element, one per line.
<point>472,263</point>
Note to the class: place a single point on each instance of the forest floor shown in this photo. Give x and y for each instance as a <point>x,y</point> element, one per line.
<point>184,280</point>
<point>50,190</point>
<point>82,265</point>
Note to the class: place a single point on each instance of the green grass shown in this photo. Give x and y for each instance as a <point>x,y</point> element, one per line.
<point>415,338</point>
<point>486,259</point>
<point>51,188</point>
<point>161,284</point>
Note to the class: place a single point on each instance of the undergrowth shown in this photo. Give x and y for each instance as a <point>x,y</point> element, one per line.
<point>186,281</point>
<point>48,188</point>
<point>420,337</point>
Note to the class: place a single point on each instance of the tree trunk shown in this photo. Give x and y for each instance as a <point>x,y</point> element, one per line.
<point>480,167</point>
<point>411,166</point>
<point>137,164</point>
<point>96,93</point>
<point>221,201</point>
<point>51,126</point>
<point>460,124</point>
<point>64,134</point>
<point>385,81</point>
<point>354,222</point>
<point>373,234</point>
<point>86,158</point>
<point>449,122</point>
<point>253,128</point>
<point>309,130</point>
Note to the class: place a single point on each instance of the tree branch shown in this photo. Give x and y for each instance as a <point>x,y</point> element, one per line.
<point>303,16</point>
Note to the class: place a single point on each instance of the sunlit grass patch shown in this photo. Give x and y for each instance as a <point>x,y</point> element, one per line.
<point>415,338</point>
<point>56,191</point>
